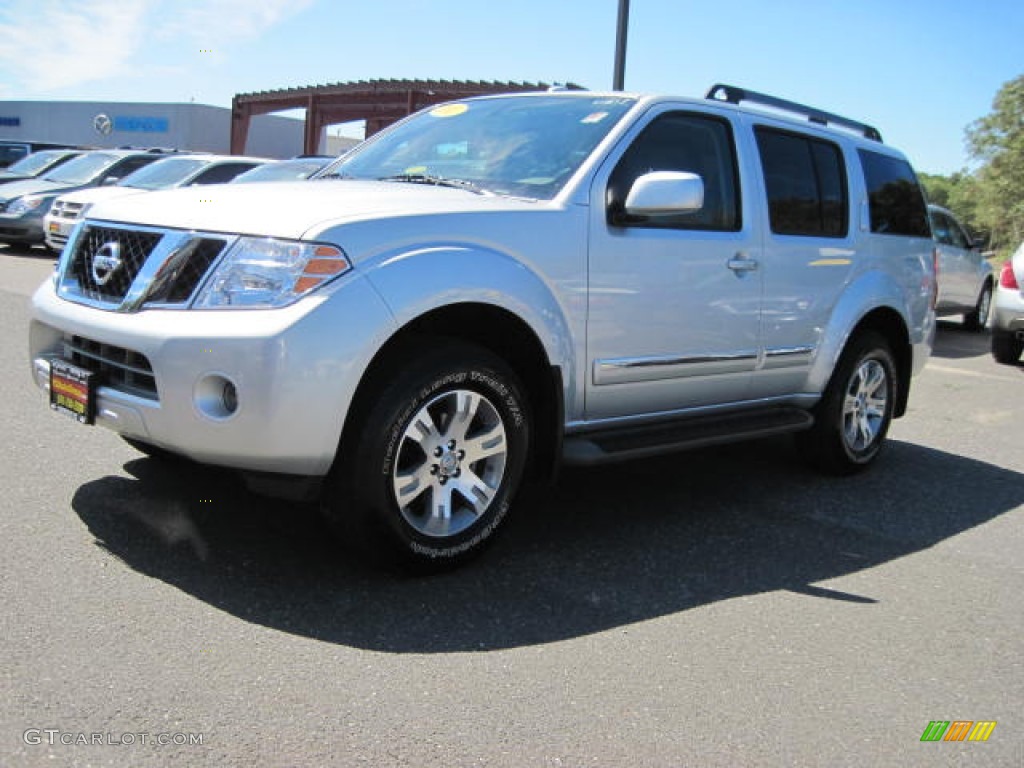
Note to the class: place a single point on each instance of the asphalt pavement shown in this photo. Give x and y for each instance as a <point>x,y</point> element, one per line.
<point>726,607</point>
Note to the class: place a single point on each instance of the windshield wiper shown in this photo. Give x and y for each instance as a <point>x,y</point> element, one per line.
<point>437,181</point>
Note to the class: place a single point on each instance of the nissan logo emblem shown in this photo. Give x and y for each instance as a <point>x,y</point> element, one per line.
<point>105,262</point>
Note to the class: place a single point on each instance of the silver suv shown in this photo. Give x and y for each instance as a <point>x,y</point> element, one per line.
<point>496,285</point>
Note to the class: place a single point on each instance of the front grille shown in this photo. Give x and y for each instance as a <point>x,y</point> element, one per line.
<point>63,209</point>
<point>132,248</point>
<point>155,267</point>
<point>119,368</point>
<point>182,273</point>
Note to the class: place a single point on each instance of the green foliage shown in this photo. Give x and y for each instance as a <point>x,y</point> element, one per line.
<point>997,140</point>
<point>958,193</point>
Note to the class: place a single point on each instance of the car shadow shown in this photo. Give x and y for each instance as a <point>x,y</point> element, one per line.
<point>603,549</point>
<point>954,342</point>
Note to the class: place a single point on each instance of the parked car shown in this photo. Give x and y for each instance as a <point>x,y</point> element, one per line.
<point>12,151</point>
<point>965,276</point>
<point>37,164</point>
<point>168,173</point>
<point>495,285</point>
<point>296,169</point>
<point>1008,311</point>
<point>23,204</point>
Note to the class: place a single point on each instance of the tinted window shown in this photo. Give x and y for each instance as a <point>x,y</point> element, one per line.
<point>956,234</point>
<point>221,174</point>
<point>896,202</point>
<point>681,142</point>
<point>128,166</point>
<point>805,183</point>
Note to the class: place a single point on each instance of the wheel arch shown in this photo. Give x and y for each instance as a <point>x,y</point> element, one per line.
<point>497,330</point>
<point>889,324</point>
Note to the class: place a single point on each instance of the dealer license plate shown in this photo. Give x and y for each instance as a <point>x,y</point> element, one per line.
<point>73,391</point>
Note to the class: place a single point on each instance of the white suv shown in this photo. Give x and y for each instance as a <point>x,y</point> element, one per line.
<point>495,285</point>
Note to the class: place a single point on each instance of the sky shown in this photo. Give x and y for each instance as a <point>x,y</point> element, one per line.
<point>919,71</point>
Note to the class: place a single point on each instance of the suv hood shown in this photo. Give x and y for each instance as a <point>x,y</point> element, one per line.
<point>294,209</point>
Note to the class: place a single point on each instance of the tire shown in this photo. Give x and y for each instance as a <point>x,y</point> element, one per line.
<point>853,417</point>
<point>424,480</point>
<point>1006,347</point>
<point>977,319</point>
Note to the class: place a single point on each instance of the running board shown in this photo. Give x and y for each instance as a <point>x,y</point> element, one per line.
<point>637,442</point>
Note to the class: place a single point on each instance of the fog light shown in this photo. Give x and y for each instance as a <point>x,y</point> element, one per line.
<point>230,397</point>
<point>216,397</point>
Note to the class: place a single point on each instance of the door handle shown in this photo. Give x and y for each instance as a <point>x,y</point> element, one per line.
<point>741,264</point>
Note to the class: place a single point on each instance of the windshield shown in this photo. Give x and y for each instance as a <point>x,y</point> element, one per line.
<point>286,170</point>
<point>82,169</point>
<point>36,162</point>
<point>526,146</point>
<point>164,173</point>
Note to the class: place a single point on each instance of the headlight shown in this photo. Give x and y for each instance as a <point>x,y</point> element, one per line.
<point>35,205</point>
<point>264,273</point>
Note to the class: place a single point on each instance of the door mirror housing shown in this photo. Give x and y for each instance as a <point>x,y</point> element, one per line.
<point>665,193</point>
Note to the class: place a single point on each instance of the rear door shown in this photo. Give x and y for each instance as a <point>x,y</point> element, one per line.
<point>809,251</point>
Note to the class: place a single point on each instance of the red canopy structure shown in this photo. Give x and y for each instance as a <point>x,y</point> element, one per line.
<point>378,102</point>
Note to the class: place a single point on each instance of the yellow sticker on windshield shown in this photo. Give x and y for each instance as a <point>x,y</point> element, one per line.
<point>413,170</point>
<point>449,110</point>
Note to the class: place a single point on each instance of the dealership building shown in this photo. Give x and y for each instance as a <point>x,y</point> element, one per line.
<point>103,124</point>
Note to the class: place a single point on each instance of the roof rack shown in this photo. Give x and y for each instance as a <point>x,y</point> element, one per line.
<point>734,95</point>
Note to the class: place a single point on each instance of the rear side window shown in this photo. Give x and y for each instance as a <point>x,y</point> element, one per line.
<point>805,182</point>
<point>894,196</point>
<point>680,141</point>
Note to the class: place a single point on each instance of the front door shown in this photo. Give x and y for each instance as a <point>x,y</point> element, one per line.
<point>674,301</point>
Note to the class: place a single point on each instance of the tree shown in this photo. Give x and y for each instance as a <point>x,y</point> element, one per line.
<point>958,193</point>
<point>997,140</point>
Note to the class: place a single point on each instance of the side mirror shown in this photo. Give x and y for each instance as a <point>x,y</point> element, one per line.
<point>664,193</point>
<point>110,181</point>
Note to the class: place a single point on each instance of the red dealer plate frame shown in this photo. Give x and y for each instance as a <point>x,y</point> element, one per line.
<point>73,391</point>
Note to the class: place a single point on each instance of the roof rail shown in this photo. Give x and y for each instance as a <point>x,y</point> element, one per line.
<point>734,95</point>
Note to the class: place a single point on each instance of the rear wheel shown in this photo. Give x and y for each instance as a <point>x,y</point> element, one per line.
<point>1006,347</point>
<point>855,412</point>
<point>429,474</point>
<point>977,319</point>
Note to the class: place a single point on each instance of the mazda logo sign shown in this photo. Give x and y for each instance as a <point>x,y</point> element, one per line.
<point>105,262</point>
<point>103,124</point>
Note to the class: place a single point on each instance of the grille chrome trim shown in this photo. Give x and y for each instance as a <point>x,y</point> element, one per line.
<point>124,370</point>
<point>168,276</point>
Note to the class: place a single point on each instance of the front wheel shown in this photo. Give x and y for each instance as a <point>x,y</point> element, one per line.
<point>426,478</point>
<point>854,414</point>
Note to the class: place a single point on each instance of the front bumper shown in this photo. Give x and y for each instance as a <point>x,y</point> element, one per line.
<point>295,370</point>
<point>57,231</point>
<point>21,229</point>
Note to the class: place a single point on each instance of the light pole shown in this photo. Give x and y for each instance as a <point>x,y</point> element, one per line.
<point>619,83</point>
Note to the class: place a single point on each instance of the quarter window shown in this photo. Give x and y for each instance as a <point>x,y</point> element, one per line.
<point>681,142</point>
<point>805,182</point>
<point>895,199</point>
